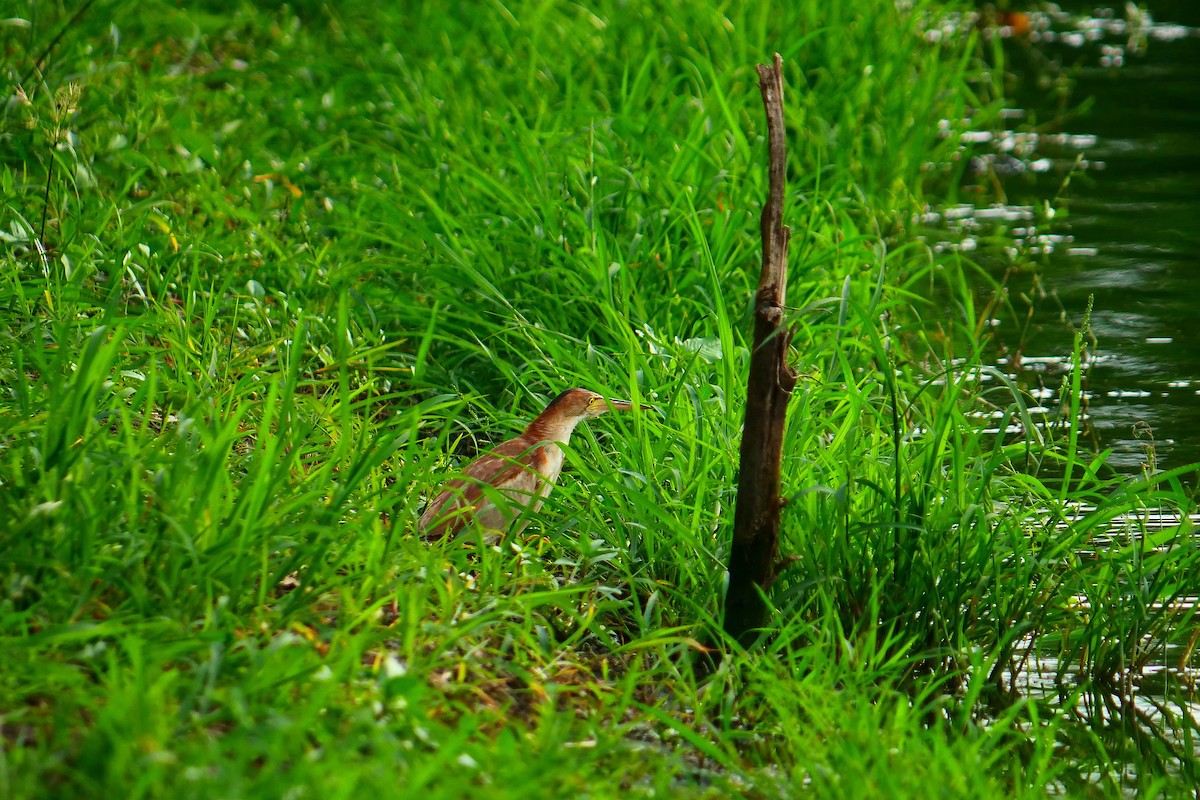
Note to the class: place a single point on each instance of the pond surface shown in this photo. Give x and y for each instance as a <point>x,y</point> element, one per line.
<point>1126,227</point>
<point>1100,176</point>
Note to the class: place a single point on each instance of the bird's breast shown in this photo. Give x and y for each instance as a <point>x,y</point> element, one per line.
<point>548,461</point>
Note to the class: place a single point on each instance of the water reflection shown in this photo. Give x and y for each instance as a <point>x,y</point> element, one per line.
<point>1105,205</point>
<point>1125,230</point>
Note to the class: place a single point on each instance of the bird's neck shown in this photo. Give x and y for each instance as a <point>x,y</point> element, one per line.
<point>551,428</point>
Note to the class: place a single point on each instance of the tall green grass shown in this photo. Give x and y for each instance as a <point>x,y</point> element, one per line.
<point>269,275</point>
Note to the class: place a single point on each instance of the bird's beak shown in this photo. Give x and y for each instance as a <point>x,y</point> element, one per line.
<point>602,405</point>
<point>605,404</point>
<point>617,405</point>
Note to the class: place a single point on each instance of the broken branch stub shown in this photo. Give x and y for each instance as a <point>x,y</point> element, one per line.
<point>755,550</point>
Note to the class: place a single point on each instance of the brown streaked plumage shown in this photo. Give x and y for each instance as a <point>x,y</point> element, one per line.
<point>523,470</point>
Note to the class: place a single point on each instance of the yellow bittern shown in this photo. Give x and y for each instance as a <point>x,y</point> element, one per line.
<point>522,470</point>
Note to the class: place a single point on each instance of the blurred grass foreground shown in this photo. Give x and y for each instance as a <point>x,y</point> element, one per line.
<point>268,274</point>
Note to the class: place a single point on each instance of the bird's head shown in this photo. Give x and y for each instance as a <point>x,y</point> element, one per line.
<point>581,404</point>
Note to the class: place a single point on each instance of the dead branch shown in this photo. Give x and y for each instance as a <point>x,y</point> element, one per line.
<point>755,550</point>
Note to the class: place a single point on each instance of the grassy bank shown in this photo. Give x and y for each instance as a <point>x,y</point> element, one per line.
<point>266,275</point>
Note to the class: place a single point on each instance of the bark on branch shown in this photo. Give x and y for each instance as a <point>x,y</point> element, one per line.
<point>755,550</point>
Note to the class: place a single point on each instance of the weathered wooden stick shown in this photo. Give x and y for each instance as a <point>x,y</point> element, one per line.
<point>755,550</point>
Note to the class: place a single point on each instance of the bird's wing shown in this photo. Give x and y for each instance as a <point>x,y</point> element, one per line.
<point>499,459</point>
<point>463,498</point>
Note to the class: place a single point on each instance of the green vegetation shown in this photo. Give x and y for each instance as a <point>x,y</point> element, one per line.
<point>267,275</point>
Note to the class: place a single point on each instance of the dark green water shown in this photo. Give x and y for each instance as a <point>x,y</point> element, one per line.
<point>1132,217</point>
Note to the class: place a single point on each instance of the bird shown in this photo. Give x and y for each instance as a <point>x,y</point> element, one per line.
<point>496,488</point>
